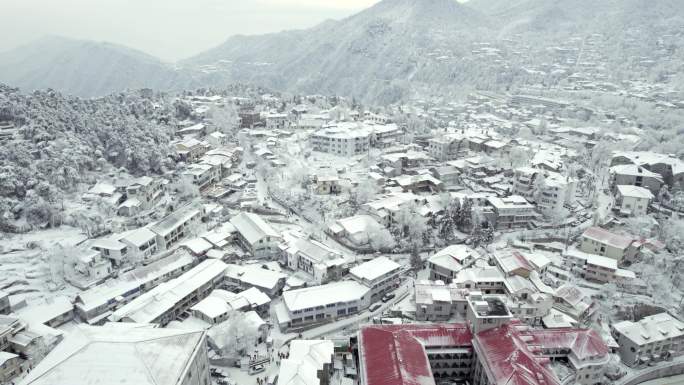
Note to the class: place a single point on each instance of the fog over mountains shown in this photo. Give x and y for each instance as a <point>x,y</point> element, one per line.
<point>386,52</point>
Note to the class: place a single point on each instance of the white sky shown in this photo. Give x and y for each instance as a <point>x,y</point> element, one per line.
<point>168,29</point>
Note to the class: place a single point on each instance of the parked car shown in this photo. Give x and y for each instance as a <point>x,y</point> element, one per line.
<point>374,307</point>
<point>257,369</point>
<point>388,297</point>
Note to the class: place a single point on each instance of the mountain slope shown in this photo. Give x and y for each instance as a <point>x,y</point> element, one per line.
<point>582,16</point>
<point>84,68</point>
<point>372,54</point>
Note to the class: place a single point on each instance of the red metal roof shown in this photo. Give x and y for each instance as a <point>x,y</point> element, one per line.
<point>513,355</point>
<point>585,343</point>
<point>504,351</point>
<point>395,354</point>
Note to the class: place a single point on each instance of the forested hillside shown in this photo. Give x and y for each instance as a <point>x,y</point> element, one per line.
<point>60,140</point>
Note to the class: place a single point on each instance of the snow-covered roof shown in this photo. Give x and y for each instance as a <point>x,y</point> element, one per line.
<point>307,358</point>
<point>131,281</point>
<point>6,356</point>
<point>212,306</point>
<point>102,188</point>
<point>604,262</point>
<point>634,170</point>
<point>148,307</point>
<point>101,356</point>
<point>139,237</point>
<point>510,202</point>
<point>479,274</point>
<point>357,224</point>
<point>45,311</point>
<point>652,158</point>
<point>107,243</point>
<point>374,269</point>
<point>253,275</point>
<point>446,261</point>
<point>311,297</point>
<point>512,261</point>
<point>252,227</point>
<point>392,202</point>
<point>220,235</point>
<point>197,246</point>
<point>316,251</point>
<point>556,320</point>
<point>634,192</point>
<point>429,292</point>
<point>539,261</point>
<point>604,236</point>
<point>517,284</point>
<point>658,327</point>
<point>174,220</point>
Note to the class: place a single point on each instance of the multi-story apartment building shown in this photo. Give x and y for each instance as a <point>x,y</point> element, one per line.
<point>202,175</point>
<point>632,200</point>
<point>344,139</point>
<point>489,280</point>
<point>437,301</point>
<point>549,190</point>
<point>248,276</point>
<point>634,175</point>
<point>95,304</point>
<point>446,263</point>
<point>52,312</point>
<point>176,226</point>
<point>597,268</point>
<point>653,338</point>
<point>275,121</point>
<point>414,354</point>
<point>148,191</point>
<point>320,304</point>
<point>511,212</point>
<point>10,367</point>
<point>668,166</point>
<point>596,240</point>
<point>190,150</point>
<point>531,352</point>
<point>485,312</point>
<point>384,135</point>
<point>448,147</point>
<point>142,243</point>
<point>511,353</point>
<point>255,235</point>
<point>380,275</point>
<point>169,300</point>
<point>320,262</point>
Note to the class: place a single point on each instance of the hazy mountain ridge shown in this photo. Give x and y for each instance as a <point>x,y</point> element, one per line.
<point>84,68</point>
<point>378,54</point>
<point>363,55</point>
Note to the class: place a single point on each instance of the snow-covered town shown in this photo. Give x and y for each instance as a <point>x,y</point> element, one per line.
<point>243,235</point>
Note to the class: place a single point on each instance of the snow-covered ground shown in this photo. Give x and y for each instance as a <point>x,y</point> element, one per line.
<point>25,268</point>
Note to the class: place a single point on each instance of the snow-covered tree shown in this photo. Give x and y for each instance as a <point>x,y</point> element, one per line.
<point>236,335</point>
<point>379,238</point>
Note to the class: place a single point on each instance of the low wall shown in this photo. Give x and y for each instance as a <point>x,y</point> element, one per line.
<point>663,370</point>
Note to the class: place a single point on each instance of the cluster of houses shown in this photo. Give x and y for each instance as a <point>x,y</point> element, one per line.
<point>163,294</point>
